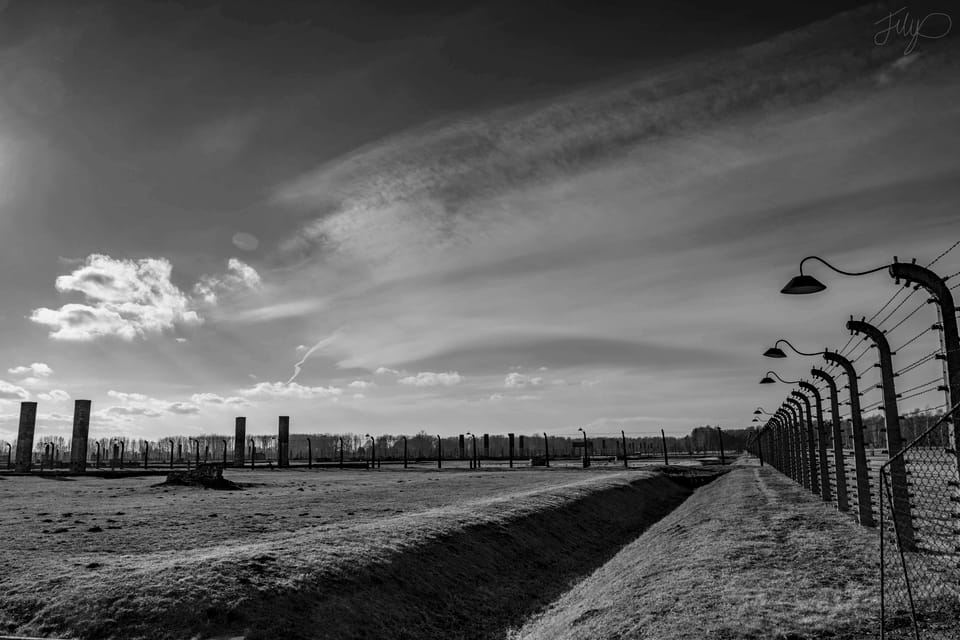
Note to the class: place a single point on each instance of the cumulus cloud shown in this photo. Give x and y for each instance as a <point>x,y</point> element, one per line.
<point>360,384</point>
<point>431,379</point>
<point>128,397</point>
<point>37,369</point>
<point>181,340</point>
<point>245,241</point>
<point>124,298</point>
<point>239,277</point>
<point>55,395</point>
<point>124,411</point>
<point>514,380</point>
<point>384,371</point>
<point>12,392</point>
<point>289,390</point>
<point>215,399</point>
<point>183,408</point>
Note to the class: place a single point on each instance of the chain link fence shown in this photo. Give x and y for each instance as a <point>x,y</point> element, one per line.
<point>920,538</point>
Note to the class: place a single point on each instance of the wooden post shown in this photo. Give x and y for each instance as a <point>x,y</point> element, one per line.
<point>510,438</point>
<point>723,459</point>
<point>546,449</point>
<point>341,453</point>
<point>439,453</point>
<point>404,452</point>
<point>663,438</point>
<point>309,454</point>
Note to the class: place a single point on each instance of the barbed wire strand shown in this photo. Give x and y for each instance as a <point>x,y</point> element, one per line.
<point>917,363</point>
<point>912,340</point>
<point>925,384</point>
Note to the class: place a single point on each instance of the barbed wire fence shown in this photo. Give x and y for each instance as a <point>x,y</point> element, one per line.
<point>909,471</point>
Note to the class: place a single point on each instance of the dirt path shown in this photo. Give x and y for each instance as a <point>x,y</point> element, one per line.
<point>749,556</point>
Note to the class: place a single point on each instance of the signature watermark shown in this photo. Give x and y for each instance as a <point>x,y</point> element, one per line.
<point>932,26</point>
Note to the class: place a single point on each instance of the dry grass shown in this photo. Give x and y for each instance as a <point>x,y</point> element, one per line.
<point>311,555</point>
<point>751,555</point>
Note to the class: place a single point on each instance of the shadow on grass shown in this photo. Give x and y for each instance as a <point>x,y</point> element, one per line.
<point>476,583</point>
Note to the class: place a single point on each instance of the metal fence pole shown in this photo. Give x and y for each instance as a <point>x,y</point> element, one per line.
<point>813,482</point>
<point>864,510</point>
<point>839,466</point>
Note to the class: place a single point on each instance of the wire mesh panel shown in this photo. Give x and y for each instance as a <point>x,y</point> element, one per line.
<point>920,578</point>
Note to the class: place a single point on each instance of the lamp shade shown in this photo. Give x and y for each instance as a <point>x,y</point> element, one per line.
<point>767,380</point>
<point>774,352</point>
<point>803,284</point>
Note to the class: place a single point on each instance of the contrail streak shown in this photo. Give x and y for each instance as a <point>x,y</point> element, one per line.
<point>297,367</point>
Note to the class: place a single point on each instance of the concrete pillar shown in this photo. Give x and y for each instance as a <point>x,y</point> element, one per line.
<point>864,508</point>
<point>239,440</point>
<point>81,431</point>
<point>283,442</point>
<point>28,424</point>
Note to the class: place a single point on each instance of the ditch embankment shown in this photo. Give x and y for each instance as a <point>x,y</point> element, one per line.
<point>469,570</point>
<point>751,556</point>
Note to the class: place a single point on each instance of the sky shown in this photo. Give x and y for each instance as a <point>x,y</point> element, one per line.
<point>460,217</point>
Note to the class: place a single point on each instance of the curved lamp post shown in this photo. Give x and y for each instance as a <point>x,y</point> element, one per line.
<point>803,464</point>
<point>910,273</point>
<point>475,463</point>
<point>821,440</point>
<point>813,482</point>
<point>373,447</point>
<point>838,462</point>
<point>898,465</point>
<point>864,512</point>
<point>189,440</point>
<point>860,456</point>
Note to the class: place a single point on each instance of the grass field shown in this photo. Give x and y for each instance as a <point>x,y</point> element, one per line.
<point>326,554</point>
<point>751,555</point>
